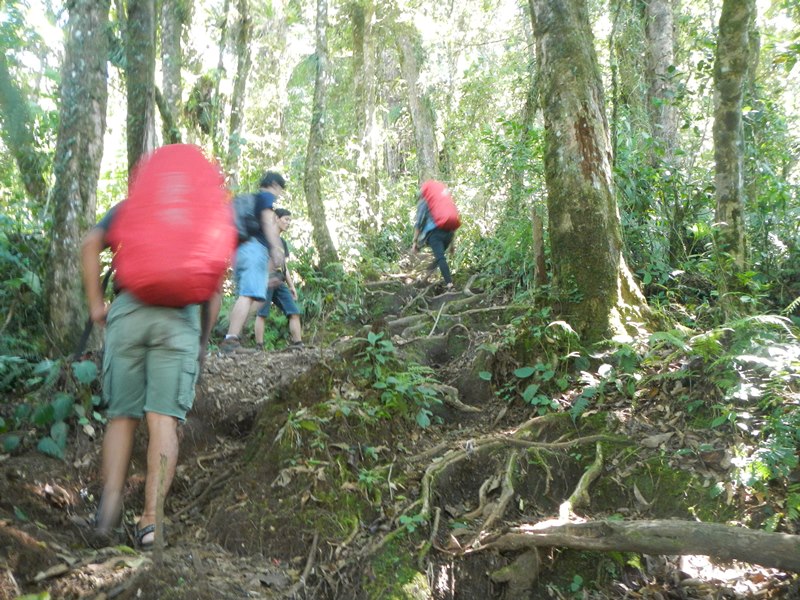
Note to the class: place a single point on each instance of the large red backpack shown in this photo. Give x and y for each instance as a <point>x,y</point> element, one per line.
<point>174,236</point>
<point>441,206</point>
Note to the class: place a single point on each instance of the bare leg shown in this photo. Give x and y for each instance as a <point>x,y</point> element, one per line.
<point>117,447</point>
<point>259,330</point>
<point>163,440</point>
<point>295,330</point>
<point>239,314</point>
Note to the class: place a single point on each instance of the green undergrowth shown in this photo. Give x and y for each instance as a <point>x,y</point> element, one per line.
<point>393,575</point>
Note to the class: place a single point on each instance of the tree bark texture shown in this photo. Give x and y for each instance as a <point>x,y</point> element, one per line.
<point>79,152</point>
<point>725,542</point>
<point>585,236</point>
<point>364,80</point>
<point>730,75</point>
<point>243,62</point>
<point>316,140</point>
<point>660,32</point>
<point>140,73</point>
<point>18,135</point>
<point>173,16</point>
<point>419,104</point>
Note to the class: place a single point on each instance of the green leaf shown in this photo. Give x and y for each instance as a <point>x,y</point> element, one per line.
<point>20,515</point>
<point>62,406</point>
<point>11,442</point>
<point>423,418</point>
<point>524,372</point>
<point>32,280</point>
<point>48,446</point>
<point>530,392</point>
<point>85,371</point>
<point>485,375</point>
<point>44,415</point>
<point>3,426</point>
<point>59,433</point>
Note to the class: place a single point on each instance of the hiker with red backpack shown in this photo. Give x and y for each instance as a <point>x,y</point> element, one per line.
<point>172,238</point>
<point>435,225</point>
<point>253,259</point>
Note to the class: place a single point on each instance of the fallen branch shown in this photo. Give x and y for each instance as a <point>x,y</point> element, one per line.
<point>724,542</point>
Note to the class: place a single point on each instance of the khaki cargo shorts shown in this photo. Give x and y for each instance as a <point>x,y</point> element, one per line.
<point>150,361</point>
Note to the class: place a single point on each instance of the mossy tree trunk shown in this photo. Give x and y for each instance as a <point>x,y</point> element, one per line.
<point>362,13</point>
<point>140,73</point>
<point>243,36</point>
<point>586,246</point>
<point>419,104</point>
<point>174,14</point>
<point>730,76</point>
<point>79,151</point>
<point>316,140</point>
<point>17,132</point>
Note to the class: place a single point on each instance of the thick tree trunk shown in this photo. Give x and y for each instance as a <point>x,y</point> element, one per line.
<point>364,79</point>
<point>243,35</point>
<point>79,151</point>
<point>419,104</point>
<point>18,135</point>
<point>585,237</point>
<point>730,75</point>
<point>173,16</point>
<point>140,75</point>
<point>777,550</point>
<point>316,140</point>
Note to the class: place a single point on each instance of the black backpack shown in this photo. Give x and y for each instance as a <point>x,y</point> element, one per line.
<point>244,215</point>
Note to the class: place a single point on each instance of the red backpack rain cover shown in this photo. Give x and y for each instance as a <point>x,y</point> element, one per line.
<point>174,236</point>
<point>441,206</point>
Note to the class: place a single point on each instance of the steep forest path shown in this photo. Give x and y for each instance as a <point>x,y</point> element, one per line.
<point>401,462</point>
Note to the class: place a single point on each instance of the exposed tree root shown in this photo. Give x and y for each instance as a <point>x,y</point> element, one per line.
<point>725,542</point>
<point>450,398</point>
<point>580,497</point>
<point>300,584</point>
<point>506,494</point>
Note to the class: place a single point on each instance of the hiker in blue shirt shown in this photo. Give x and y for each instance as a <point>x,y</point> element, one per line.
<point>252,262</point>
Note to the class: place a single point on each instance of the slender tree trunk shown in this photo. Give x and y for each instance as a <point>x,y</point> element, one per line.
<point>419,104</point>
<point>730,76</point>
<point>316,140</point>
<point>79,151</point>
<point>588,267</point>
<point>364,78</point>
<point>217,108</point>
<point>243,36</point>
<point>18,135</point>
<point>173,16</point>
<point>140,75</point>
<point>660,32</point>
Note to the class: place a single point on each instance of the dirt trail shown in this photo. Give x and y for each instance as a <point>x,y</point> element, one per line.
<point>254,516</point>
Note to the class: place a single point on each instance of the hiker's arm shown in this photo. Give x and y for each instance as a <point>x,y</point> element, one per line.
<point>209,311</point>
<point>270,227</point>
<point>92,246</point>
<point>453,245</point>
<point>414,246</point>
<point>290,282</point>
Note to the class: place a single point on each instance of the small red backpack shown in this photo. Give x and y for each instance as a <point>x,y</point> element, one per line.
<point>173,237</point>
<point>441,206</point>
